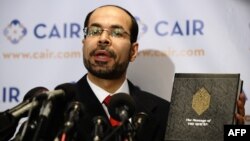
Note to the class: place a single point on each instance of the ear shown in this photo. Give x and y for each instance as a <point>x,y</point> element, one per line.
<point>83,40</point>
<point>133,51</point>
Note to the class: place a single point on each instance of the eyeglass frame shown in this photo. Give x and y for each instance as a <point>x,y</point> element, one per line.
<point>111,32</point>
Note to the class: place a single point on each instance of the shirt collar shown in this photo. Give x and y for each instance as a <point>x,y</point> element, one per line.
<point>101,94</point>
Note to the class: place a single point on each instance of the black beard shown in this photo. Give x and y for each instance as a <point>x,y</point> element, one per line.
<point>114,73</point>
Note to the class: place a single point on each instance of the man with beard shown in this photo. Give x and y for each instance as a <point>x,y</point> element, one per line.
<point>109,44</point>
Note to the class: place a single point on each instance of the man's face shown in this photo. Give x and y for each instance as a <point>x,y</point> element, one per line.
<point>105,53</point>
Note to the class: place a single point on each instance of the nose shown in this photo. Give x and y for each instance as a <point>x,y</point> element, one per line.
<point>104,39</point>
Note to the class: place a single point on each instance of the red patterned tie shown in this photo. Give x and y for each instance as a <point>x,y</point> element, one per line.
<point>112,121</point>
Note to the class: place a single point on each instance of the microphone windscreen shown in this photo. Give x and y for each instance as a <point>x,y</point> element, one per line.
<point>121,101</point>
<point>34,92</point>
<point>69,90</point>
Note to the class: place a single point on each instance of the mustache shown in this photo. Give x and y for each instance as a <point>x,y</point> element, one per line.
<point>111,53</point>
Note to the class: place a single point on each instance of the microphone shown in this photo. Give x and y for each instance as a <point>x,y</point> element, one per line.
<point>62,93</point>
<point>99,128</point>
<point>121,106</point>
<point>138,120</point>
<point>9,119</point>
<point>74,112</point>
<point>21,110</point>
<point>28,128</point>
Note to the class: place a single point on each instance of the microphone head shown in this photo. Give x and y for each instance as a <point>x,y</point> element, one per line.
<point>73,113</point>
<point>120,103</point>
<point>69,90</point>
<point>34,92</point>
<point>37,92</point>
<point>76,106</point>
<point>99,120</point>
<point>139,119</point>
<point>101,127</point>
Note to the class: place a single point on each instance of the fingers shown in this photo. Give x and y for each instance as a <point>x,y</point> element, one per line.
<point>241,104</point>
<point>240,108</point>
<point>240,119</point>
<point>242,98</point>
<point>240,115</point>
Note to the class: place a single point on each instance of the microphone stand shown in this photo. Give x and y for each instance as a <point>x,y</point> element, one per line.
<point>100,126</point>
<point>114,131</point>
<point>43,119</point>
<point>29,126</point>
<point>128,131</point>
<point>74,111</point>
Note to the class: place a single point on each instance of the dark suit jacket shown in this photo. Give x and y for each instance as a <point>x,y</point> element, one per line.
<point>155,107</point>
<point>153,129</point>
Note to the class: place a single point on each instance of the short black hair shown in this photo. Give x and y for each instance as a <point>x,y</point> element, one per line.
<point>133,29</point>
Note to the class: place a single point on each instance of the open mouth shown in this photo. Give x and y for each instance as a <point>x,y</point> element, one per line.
<point>102,55</point>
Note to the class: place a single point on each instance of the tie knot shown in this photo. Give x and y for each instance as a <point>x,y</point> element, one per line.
<point>107,100</point>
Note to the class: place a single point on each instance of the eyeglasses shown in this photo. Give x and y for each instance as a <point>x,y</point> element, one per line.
<point>95,31</point>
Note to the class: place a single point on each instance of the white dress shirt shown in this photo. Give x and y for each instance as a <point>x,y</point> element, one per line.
<point>101,94</point>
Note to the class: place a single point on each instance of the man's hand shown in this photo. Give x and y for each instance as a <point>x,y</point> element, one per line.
<point>240,115</point>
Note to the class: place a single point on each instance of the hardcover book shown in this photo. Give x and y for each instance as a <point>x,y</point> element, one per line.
<point>201,104</point>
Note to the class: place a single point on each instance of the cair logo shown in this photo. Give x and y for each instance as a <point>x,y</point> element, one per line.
<point>15,31</point>
<point>143,28</point>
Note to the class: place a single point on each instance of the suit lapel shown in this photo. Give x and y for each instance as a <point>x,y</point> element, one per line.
<point>87,96</point>
<point>137,95</point>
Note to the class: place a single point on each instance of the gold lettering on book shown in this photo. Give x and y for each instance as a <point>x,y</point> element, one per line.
<point>201,101</point>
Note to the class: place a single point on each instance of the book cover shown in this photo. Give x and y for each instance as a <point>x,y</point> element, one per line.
<point>201,104</point>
